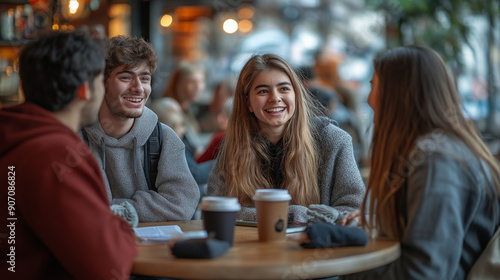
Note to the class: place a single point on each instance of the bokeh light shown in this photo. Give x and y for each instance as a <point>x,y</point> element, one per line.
<point>230,26</point>
<point>245,13</point>
<point>245,25</point>
<point>166,20</point>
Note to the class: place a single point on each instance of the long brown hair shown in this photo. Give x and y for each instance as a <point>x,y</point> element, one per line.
<point>415,97</point>
<point>244,151</point>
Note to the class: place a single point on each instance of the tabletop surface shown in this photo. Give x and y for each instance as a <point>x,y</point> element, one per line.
<point>251,259</point>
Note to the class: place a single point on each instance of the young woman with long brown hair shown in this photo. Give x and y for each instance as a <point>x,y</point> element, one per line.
<point>433,183</point>
<point>275,139</point>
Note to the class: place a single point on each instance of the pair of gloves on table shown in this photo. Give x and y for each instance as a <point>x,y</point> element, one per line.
<point>321,231</point>
<point>321,235</point>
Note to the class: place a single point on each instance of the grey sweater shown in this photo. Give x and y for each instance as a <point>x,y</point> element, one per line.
<point>122,165</point>
<point>452,211</point>
<point>339,180</point>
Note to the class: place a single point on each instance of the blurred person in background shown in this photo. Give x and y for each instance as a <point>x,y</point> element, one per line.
<point>213,147</point>
<point>63,225</point>
<point>274,139</point>
<point>186,84</point>
<point>121,138</point>
<point>433,185</point>
<point>327,98</point>
<point>170,113</point>
<point>210,121</point>
<point>334,109</point>
<point>327,76</point>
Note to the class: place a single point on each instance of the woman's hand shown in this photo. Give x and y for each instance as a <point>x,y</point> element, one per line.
<point>353,217</point>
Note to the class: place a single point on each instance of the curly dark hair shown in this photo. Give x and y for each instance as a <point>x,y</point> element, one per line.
<point>129,51</point>
<point>53,67</point>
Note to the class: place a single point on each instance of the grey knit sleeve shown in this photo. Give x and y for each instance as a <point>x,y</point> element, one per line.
<point>339,180</point>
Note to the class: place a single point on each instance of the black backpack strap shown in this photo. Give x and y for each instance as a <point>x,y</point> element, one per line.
<point>85,136</point>
<point>152,151</point>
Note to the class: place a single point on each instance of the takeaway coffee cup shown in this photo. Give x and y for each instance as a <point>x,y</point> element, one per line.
<point>272,213</point>
<point>219,216</point>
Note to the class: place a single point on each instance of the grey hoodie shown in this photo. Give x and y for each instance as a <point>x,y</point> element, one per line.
<point>122,165</point>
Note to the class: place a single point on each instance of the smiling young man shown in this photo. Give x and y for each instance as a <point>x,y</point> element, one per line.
<point>118,140</point>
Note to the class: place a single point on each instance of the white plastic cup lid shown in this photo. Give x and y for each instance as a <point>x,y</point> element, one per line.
<point>272,195</point>
<point>219,203</point>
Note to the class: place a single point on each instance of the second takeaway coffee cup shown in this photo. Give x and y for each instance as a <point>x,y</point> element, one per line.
<point>272,213</point>
<point>219,216</point>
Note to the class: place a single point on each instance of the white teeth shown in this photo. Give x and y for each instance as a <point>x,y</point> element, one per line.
<point>134,99</point>
<point>274,110</point>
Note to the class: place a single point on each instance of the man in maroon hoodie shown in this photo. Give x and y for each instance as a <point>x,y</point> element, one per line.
<point>55,217</point>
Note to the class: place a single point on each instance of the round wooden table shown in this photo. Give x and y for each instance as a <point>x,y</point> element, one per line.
<point>251,259</point>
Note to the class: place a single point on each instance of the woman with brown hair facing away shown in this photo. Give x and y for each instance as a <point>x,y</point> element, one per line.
<point>187,83</point>
<point>275,139</point>
<point>433,183</point>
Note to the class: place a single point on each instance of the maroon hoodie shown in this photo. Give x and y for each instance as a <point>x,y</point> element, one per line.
<point>55,221</point>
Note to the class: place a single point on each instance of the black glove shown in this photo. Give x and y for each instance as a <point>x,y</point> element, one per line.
<point>325,235</point>
<point>200,248</point>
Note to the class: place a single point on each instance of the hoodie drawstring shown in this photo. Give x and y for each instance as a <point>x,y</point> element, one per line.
<point>135,156</point>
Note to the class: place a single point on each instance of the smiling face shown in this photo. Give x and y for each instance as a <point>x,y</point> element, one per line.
<point>127,91</point>
<point>272,99</point>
